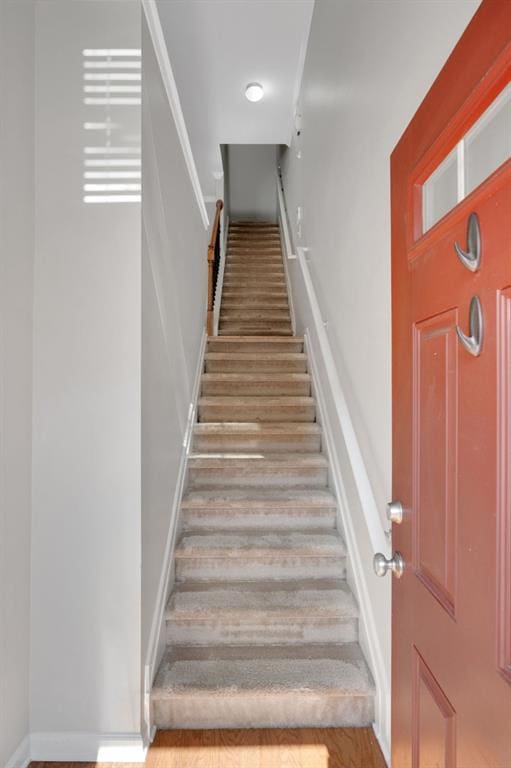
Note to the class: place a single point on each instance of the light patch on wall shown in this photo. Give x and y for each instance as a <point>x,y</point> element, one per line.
<point>112,96</point>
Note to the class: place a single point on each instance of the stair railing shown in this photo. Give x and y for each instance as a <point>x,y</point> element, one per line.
<point>213,265</point>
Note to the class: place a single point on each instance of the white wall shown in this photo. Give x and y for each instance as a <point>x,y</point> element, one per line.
<point>16,272</point>
<point>368,66</point>
<point>252,191</point>
<point>86,536</point>
<point>216,48</point>
<point>174,275</point>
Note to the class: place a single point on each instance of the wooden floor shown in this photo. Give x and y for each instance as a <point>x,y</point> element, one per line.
<point>269,748</point>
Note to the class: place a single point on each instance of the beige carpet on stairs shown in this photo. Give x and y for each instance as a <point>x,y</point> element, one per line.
<point>262,628</point>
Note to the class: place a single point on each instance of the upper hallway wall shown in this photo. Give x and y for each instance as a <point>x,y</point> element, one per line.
<point>16,274</point>
<point>252,172</point>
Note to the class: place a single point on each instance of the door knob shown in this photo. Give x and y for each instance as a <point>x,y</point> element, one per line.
<point>395,512</point>
<point>396,564</point>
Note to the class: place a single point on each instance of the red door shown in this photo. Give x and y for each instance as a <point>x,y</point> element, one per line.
<point>452,422</point>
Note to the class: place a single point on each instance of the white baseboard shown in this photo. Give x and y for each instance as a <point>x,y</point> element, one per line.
<point>156,644</point>
<point>88,747</point>
<point>21,757</point>
<point>384,742</point>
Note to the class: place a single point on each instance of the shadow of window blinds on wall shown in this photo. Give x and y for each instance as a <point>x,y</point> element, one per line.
<point>112,97</point>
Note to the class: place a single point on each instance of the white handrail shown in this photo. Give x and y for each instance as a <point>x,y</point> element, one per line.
<point>284,222</point>
<point>221,271</point>
<point>372,515</point>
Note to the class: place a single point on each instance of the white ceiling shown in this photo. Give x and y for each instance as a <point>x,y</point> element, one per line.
<point>216,47</point>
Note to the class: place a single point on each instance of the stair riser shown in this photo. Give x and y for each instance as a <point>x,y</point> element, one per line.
<point>253,292</point>
<point>260,235</point>
<point>273,303</point>
<point>308,710</point>
<point>237,314</point>
<point>254,323</point>
<point>257,285</point>
<point>253,569</point>
<point>249,257</point>
<point>263,366</point>
<point>253,258</point>
<point>254,298</point>
<point>239,299</point>
<point>272,631</point>
<point>243,260</point>
<point>254,347</point>
<point>254,243</point>
<point>270,274</point>
<point>261,283</point>
<point>240,365</point>
<point>255,233</point>
<point>253,413</point>
<point>254,249</point>
<point>253,266</point>
<point>268,389</point>
<point>250,519</point>
<point>248,330</point>
<point>242,288</point>
<point>302,477</point>
<point>271,239</point>
<point>249,443</point>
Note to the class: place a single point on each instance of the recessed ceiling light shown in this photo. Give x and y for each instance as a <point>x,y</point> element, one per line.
<point>254,91</point>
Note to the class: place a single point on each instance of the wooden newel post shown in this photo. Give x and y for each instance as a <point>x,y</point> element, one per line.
<point>212,252</point>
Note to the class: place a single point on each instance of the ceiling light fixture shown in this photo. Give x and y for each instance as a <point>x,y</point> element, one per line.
<point>254,91</point>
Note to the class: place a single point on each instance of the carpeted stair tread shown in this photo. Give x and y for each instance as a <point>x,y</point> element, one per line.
<point>284,498</point>
<point>258,544</point>
<point>255,401</point>
<point>257,428</point>
<point>336,670</point>
<point>248,460</point>
<point>262,362</point>
<point>240,469</point>
<point>264,599</point>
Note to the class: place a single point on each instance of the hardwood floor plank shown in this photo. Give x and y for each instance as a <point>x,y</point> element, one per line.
<point>265,748</point>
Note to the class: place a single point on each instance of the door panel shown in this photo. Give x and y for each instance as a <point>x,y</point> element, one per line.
<point>452,433</point>
<point>504,484</point>
<point>434,721</point>
<point>435,454</point>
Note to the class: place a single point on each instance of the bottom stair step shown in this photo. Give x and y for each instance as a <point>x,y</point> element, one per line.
<point>263,686</point>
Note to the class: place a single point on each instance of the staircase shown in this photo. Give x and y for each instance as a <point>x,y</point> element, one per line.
<point>262,627</point>
<point>254,297</point>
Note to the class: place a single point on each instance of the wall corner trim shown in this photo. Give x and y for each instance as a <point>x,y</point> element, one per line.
<point>21,757</point>
<point>162,56</point>
<point>88,747</point>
